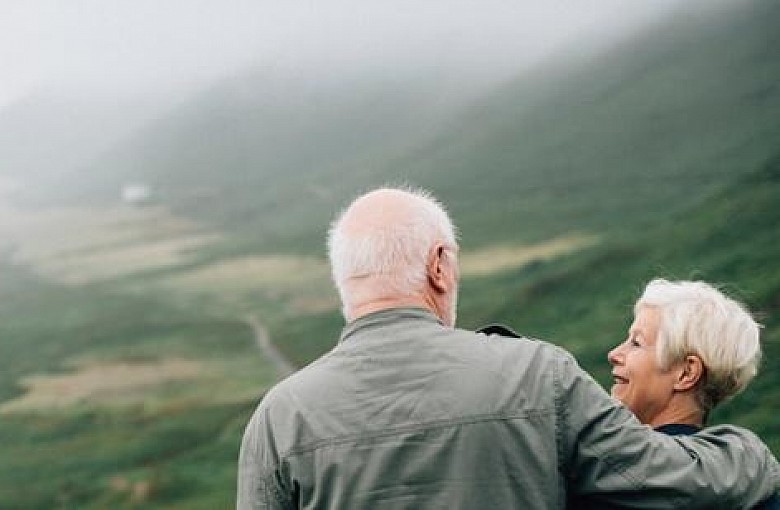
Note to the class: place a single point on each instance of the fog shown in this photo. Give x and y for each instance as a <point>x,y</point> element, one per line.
<point>80,78</point>
<point>118,49</point>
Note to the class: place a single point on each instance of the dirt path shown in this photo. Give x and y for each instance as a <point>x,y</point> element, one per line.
<point>269,350</point>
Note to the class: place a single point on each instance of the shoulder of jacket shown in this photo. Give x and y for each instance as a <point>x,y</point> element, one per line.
<point>501,332</point>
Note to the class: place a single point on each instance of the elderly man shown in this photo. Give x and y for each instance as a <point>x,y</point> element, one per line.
<point>408,412</point>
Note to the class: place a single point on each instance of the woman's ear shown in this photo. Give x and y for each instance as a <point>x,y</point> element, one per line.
<point>691,373</point>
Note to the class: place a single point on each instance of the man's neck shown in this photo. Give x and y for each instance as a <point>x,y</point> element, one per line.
<point>377,305</point>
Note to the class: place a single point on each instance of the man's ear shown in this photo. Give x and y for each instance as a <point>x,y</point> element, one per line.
<point>690,374</point>
<point>435,269</point>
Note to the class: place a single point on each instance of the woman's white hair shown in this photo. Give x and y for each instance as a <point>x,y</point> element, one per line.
<point>697,319</point>
<point>395,250</point>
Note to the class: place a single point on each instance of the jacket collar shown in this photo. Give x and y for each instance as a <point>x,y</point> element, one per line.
<point>385,317</point>
<point>678,429</point>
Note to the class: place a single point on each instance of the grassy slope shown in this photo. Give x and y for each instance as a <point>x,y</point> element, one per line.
<point>599,144</point>
<point>667,120</point>
<point>183,451</point>
<point>697,159</point>
<point>585,303</point>
<point>186,457</point>
<point>617,143</point>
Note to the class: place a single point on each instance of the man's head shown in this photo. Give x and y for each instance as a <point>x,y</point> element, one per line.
<point>688,340</point>
<point>394,247</point>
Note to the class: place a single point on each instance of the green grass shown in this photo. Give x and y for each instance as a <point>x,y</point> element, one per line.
<point>183,449</point>
<point>584,301</point>
<point>106,325</point>
<point>665,147</point>
<point>186,456</point>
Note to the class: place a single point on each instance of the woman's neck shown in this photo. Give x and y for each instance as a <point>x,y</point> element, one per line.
<point>682,410</point>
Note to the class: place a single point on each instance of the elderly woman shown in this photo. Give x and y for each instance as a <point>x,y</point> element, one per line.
<point>690,348</point>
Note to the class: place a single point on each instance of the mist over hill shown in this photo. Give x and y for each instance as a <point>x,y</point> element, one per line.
<point>657,119</point>
<point>643,129</point>
<point>271,126</point>
<point>129,363</point>
<point>45,136</point>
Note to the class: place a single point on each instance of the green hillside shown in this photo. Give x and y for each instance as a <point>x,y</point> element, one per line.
<point>179,450</point>
<point>128,365</point>
<point>585,303</point>
<point>174,447</point>
<point>620,138</point>
<point>669,147</point>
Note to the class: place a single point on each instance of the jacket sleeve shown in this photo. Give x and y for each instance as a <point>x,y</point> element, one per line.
<point>259,483</point>
<point>608,455</point>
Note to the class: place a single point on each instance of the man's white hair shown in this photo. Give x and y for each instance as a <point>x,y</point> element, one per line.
<point>395,250</point>
<point>697,319</point>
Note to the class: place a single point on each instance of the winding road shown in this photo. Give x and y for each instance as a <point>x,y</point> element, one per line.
<point>269,350</point>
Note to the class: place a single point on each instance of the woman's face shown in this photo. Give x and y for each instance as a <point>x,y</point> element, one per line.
<point>639,382</point>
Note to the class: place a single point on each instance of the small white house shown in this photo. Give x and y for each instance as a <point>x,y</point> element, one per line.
<point>136,194</point>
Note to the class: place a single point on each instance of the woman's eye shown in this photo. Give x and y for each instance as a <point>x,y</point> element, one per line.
<point>634,343</point>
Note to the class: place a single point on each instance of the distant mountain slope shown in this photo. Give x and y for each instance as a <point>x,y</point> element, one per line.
<point>584,301</point>
<point>731,238</point>
<point>628,135</point>
<point>255,145</point>
<point>594,142</point>
<point>585,304</point>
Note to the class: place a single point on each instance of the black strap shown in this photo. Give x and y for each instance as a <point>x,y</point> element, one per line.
<point>498,329</point>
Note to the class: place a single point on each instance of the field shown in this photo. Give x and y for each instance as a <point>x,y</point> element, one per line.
<point>120,393</point>
<point>112,399</point>
<point>132,337</point>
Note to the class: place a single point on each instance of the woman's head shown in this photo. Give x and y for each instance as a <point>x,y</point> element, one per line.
<point>696,343</point>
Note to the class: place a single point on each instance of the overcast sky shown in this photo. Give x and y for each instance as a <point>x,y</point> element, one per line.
<point>118,47</point>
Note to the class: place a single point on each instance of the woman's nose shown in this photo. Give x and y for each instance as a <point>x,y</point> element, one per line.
<point>614,355</point>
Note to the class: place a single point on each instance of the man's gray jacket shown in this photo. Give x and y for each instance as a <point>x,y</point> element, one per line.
<point>405,413</point>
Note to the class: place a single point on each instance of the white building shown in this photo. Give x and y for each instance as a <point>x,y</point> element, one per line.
<point>136,194</point>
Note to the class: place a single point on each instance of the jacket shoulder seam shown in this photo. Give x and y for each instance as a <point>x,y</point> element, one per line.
<point>411,428</point>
